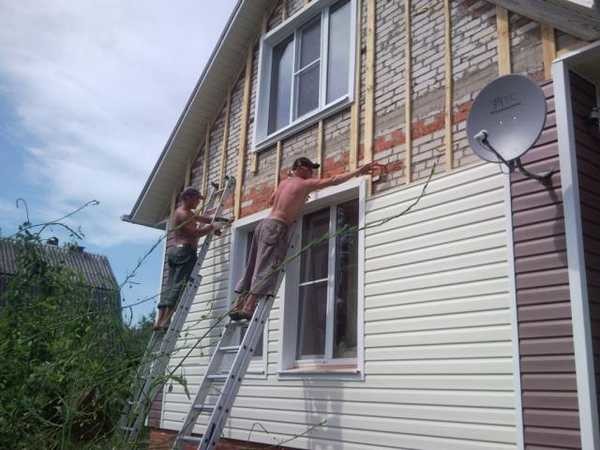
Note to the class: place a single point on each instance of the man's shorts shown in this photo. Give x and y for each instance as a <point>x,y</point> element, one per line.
<point>267,252</point>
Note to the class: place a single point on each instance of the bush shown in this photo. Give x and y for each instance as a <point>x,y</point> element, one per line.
<point>66,359</point>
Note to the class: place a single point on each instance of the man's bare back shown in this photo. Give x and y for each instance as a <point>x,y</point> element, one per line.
<point>288,199</point>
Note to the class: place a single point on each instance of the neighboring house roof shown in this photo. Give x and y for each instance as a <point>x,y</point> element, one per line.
<point>95,269</point>
<point>580,18</point>
<point>223,67</point>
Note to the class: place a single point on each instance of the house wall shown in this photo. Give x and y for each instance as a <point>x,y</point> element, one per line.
<point>465,399</point>
<point>587,141</point>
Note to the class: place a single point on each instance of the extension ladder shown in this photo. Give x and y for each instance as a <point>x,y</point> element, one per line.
<point>150,375</point>
<point>228,365</point>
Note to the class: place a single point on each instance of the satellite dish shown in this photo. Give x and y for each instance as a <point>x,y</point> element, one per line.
<point>506,119</point>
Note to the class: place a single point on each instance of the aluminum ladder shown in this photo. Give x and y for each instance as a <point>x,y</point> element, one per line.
<point>150,374</point>
<point>228,365</point>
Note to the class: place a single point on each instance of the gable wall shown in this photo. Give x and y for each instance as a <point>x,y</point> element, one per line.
<point>475,63</point>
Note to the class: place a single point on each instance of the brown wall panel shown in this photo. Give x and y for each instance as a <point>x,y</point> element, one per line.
<point>548,382</point>
<point>587,141</point>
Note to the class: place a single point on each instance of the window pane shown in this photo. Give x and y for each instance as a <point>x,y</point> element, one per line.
<point>344,344</point>
<point>312,313</point>
<point>307,91</point>
<point>281,84</point>
<point>339,51</point>
<point>310,43</point>
<point>314,261</point>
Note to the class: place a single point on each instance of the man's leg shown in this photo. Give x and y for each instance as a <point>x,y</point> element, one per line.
<point>181,273</point>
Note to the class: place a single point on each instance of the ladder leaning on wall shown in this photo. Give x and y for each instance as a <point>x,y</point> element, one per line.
<point>150,375</point>
<point>227,366</point>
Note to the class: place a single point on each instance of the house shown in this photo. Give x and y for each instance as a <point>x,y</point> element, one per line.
<point>471,322</point>
<point>94,269</point>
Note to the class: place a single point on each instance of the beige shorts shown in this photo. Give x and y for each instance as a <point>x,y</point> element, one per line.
<point>267,252</point>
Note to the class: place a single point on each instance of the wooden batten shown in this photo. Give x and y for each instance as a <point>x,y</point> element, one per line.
<point>278,155</point>
<point>188,173</point>
<point>205,163</point>
<point>370,83</point>
<point>284,10</point>
<point>548,49</point>
<point>239,180</point>
<point>355,109</point>
<point>320,146</point>
<point>225,142</point>
<point>503,27</point>
<point>408,91</point>
<point>173,206</point>
<point>449,85</point>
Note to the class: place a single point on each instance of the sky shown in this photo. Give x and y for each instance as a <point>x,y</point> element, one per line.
<point>89,93</point>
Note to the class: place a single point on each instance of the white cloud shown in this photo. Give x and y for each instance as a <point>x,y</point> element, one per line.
<point>100,88</point>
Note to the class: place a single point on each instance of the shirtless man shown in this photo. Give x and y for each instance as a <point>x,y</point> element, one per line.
<point>270,242</point>
<point>181,257</point>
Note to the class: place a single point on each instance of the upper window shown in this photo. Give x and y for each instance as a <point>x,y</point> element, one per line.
<point>305,68</point>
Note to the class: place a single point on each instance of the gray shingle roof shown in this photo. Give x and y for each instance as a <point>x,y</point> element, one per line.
<point>95,269</point>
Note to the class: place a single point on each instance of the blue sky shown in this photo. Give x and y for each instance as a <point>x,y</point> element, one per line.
<point>88,97</point>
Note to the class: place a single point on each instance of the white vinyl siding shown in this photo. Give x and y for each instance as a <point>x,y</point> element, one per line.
<point>438,349</point>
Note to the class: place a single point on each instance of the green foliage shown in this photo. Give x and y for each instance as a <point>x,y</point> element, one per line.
<point>66,359</point>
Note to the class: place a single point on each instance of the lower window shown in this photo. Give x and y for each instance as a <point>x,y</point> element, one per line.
<point>326,313</point>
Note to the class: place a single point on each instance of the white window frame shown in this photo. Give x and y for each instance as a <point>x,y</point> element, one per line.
<point>287,368</point>
<point>262,138</point>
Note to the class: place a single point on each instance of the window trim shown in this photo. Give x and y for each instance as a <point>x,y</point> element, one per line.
<point>261,137</point>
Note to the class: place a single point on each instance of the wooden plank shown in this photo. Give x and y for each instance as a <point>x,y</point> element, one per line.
<point>278,154</point>
<point>320,143</point>
<point>408,90</point>
<point>188,173</point>
<point>284,10</point>
<point>243,133</point>
<point>370,84</point>
<point>225,142</point>
<point>504,64</point>
<point>449,84</point>
<point>548,49</point>
<point>355,110</point>
<point>254,157</point>
<point>204,186</point>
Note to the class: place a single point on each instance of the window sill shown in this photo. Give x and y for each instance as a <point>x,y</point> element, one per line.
<point>349,371</point>
<point>303,123</point>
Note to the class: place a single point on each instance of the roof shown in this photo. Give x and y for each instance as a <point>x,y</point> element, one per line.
<point>578,17</point>
<point>221,71</point>
<point>95,269</point>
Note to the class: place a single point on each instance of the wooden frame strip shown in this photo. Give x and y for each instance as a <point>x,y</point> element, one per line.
<point>225,142</point>
<point>503,26</point>
<point>284,10</point>
<point>449,85</point>
<point>239,180</point>
<point>320,145</point>
<point>204,186</point>
<point>408,91</point>
<point>355,109</point>
<point>548,49</point>
<point>188,173</point>
<point>370,83</point>
<point>278,155</point>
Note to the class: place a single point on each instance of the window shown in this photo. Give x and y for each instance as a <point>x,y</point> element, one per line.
<point>305,67</point>
<point>327,291</point>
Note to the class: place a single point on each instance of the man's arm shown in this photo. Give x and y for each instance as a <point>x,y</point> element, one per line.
<point>188,223</point>
<point>315,184</point>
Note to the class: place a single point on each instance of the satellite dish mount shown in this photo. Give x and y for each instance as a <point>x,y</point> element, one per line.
<point>506,119</point>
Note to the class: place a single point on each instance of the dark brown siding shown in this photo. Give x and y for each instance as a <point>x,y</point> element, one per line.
<point>549,390</point>
<point>587,138</point>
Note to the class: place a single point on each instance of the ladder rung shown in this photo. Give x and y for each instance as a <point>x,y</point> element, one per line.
<point>127,428</point>
<point>192,439</point>
<point>230,349</point>
<point>217,376</point>
<point>204,408</point>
